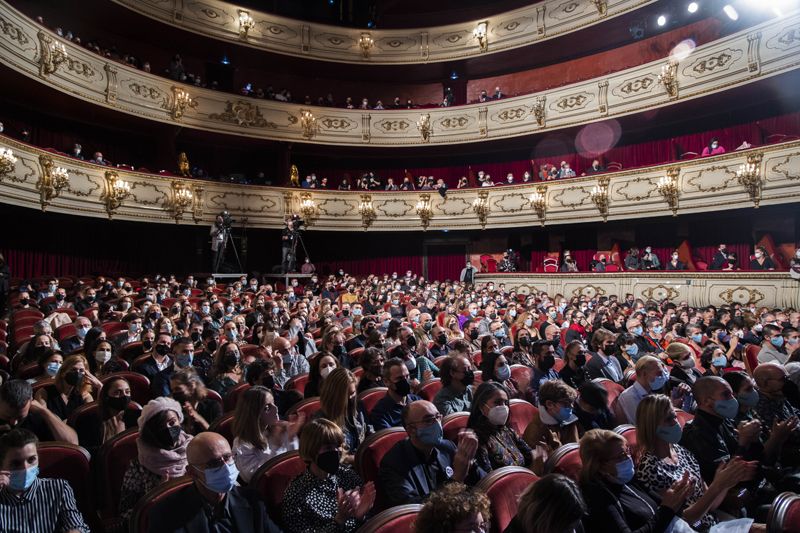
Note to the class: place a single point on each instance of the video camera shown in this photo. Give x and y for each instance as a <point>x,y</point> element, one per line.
<point>297,222</point>
<point>227,220</point>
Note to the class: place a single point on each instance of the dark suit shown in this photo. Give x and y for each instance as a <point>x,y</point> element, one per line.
<point>718,261</point>
<point>186,511</point>
<point>596,368</point>
<point>679,265</point>
<point>406,477</point>
<point>70,344</point>
<point>159,379</point>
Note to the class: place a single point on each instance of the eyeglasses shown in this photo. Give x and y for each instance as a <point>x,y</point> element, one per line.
<point>216,463</point>
<point>428,420</point>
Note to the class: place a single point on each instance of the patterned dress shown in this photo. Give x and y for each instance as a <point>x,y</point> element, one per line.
<point>502,448</point>
<point>309,504</point>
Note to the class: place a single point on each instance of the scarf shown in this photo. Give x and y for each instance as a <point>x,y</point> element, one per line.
<point>171,463</point>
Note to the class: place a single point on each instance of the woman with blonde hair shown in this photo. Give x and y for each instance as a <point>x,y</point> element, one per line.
<point>453,508</point>
<point>199,411</point>
<point>338,404</point>
<point>452,328</point>
<point>71,388</point>
<point>662,462</point>
<point>553,503</point>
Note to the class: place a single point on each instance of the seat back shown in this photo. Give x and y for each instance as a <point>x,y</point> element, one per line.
<point>232,398</point>
<point>22,313</point>
<point>565,460</point>
<point>751,357</point>
<point>398,519</point>
<point>140,385</point>
<point>111,463</point>
<point>309,406</point>
<point>504,487</point>
<point>28,371</point>
<point>429,389</point>
<point>272,479</point>
<point>372,450</point>
<point>224,426</point>
<point>370,397</point>
<point>628,432</point>
<point>140,519</point>
<point>70,462</point>
<point>614,389</point>
<point>784,515</point>
<point>297,383</point>
<point>521,413</point>
<point>113,327</point>
<point>453,423</point>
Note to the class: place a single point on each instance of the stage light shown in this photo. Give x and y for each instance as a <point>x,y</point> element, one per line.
<point>454,75</point>
<point>692,7</point>
<point>731,12</point>
<point>661,20</point>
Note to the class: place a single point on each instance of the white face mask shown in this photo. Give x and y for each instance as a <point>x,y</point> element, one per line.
<point>102,356</point>
<point>324,372</point>
<point>498,415</point>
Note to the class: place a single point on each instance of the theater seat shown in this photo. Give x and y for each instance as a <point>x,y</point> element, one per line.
<point>131,351</point>
<point>522,375</point>
<point>614,389</point>
<point>683,417</point>
<point>565,460</point>
<point>628,432</point>
<point>439,360</point>
<point>372,450</point>
<point>504,487</point>
<point>22,313</point>
<point>232,398</point>
<point>140,519</point>
<point>751,357</point>
<point>113,327</point>
<point>550,264</point>
<point>67,461</point>
<point>521,413</point>
<point>140,385</point>
<point>612,268</point>
<point>398,519</point>
<point>29,371</point>
<point>370,397</point>
<point>211,394</point>
<point>453,423</point>
<point>297,383</point>
<point>784,515</point>
<point>111,462</point>
<point>272,479</point>
<point>358,372</point>
<point>309,406</point>
<point>224,426</point>
<point>429,389</point>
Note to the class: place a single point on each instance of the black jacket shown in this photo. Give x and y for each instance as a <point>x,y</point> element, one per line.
<point>718,261</point>
<point>159,379</point>
<point>623,508</point>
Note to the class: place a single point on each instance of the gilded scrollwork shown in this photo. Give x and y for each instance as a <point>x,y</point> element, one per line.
<point>572,196</point>
<point>453,206</point>
<point>712,63</point>
<point>337,207</point>
<point>711,179</point>
<point>159,196</point>
<point>787,39</point>
<point>742,295</point>
<point>95,185</point>
<point>637,189</point>
<point>786,166</point>
<point>511,202</point>
<point>636,86</point>
<point>589,291</point>
<point>243,114</point>
<point>337,123</point>
<point>14,32</point>
<point>147,92</point>
<point>572,102</point>
<point>248,202</point>
<point>661,292</point>
<point>394,208</point>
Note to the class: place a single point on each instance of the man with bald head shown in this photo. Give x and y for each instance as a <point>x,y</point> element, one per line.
<point>773,408</point>
<point>213,502</point>
<point>288,363</point>
<point>419,464</point>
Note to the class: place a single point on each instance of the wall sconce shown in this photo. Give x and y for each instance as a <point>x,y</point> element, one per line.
<point>308,208</point>
<point>181,100</point>
<point>424,127</point>
<point>7,162</point>
<point>366,42</point>
<point>749,175</point>
<point>424,210</point>
<point>599,196</point>
<point>197,207</point>
<point>601,6</point>
<point>52,54</point>
<point>538,110</point>
<point>539,202</point>
<point>367,210</point>
<point>669,78</point>
<point>481,34</point>
<point>309,123</point>
<point>180,200</point>
<point>670,189</point>
<point>116,191</point>
<point>52,180</point>
<point>246,23</point>
<point>481,207</point>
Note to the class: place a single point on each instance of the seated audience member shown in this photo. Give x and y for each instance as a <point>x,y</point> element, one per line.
<point>419,366</point>
<point>613,502</point>
<point>521,355</point>
<point>259,433</point>
<point>457,389</point>
<point>452,509</point>
<point>35,347</point>
<point>49,362</point>
<point>321,366</point>
<point>329,495</point>
<point>651,376</point>
<point>213,502</point>
<point>683,364</point>
<point>553,503</point>
<point>102,359</point>
<point>161,454</point>
<point>761,260</point>
<point>713,360</point>
<point>650,260</point>
<point>114,415</point>
<point>603,364</point>
<point>18,409</point>
<point>199,411</point>
<point>499,444</point>
<point>74,343</point>
<point>439,338</point>
<point>495,368</point>
<point>159,366</point>
<point>339,404</point>
<point>553,424</point>
<point>28,502</point>
<point>387,412</point>
<point>713,148</point>
<point>773,405</point>
<point>71,387</point>
<point>573,372</point>
<point>662,462</point>
<point>632,261</point>
<point>544,360</point>
<point>591,408</point>
<point>291,363</point>
<point>372,361</point>
<point>772,347</point>
<point>425,461</point>
<point>674,263</point>
<point>262,372</point>
<point>227,369</point>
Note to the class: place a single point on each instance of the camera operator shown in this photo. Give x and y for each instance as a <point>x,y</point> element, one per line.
<point>217,233</point>
<point>288,237</point>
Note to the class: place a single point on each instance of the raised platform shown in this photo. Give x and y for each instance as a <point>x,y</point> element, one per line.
<point>771,289</point>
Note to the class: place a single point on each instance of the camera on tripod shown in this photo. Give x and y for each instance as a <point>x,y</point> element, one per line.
<point>227,220</point>
<point>297,222</point>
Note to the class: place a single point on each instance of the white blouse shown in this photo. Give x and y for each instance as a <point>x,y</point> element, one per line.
<point>248,458</point>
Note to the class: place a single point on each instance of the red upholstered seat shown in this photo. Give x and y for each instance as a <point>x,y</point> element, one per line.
<point>683,417</point>
<point>372,450</point>
<point>488,263</point>
<point>507,350</point>
<point>398,519</point>
<point>111,463</point>
<point>230,400</point>
<point>140,385</point>
<point>140,519</point>
<point>521,413</point>
<point>504,486</point>
<point>439,360</point>
<point>370,397</point>
<point>224,426</point>
<point>272,479</point>
<point>29,371</point>
<point>751,357</point>
<point>628,432</point>
<point>565,460</point>
<point>132,351</point>
<point>453,423</point>
<point>784,515</point>
<point>309,406</point>
<point>211,394</point>
<point>551,264</point>
<point>114,327</point>
<point>612,268</point>
<point>22,313</point>
<point>430,388</point>
<point>252,350</point>
<point>559,364</point>
<point>614,389</point>
<point>25,321</point>
<point>41,384</point>
<point>67,461</point>
<point>358,372</point>
<point>65,332</point>
<point>297,383</point>
<point>23,334</point>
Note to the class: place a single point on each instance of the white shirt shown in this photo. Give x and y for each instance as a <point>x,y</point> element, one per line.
<point>629,400</point>
<point>248,458</point>
<point>613,366</point>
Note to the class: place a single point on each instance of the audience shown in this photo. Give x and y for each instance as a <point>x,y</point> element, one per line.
<point>388,411</point>
<point>114,414</point>
<point>498,444</point>
<point>452,509</point>
<point>553,503</point>
<point>199,411</point>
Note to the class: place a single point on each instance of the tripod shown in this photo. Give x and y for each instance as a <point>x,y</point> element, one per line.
<point>291,258</point>
<point>221,255</point>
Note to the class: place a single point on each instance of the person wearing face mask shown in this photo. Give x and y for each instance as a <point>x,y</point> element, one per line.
<point>713,360</point>
<point>339,404</point>
<point>49,362</point>
<point>713,148</point>
<point>663,462</point>
<point>614,503</point>
<point>574,371</point>
<point>227,369</point>
<point>773,406</point>
<point>199,411</point>
<point>372,361</point>
<point>522,347</point>
<point>761,260</point>
<point>71,387</point>
<point>259,432</point>
<point>651,376</point>
<point>72,343</point>
<point>553,424</point>
<point>494,367</point>
<point>214,501</point>
<point>684,365</point>
<point>603,364</point>
<point>115,414</point>
<point>416,466</point>
<point>650,260</point>
<point>287,361</point>
<point>134,330</point>
<point>203,359</point>
<point>439,338</point>
<point>387,412</point>
<point>467,275</point>
<point>49,504</point>
<point>457,389</point>
<point>675,263</point>
<point>544,360</point>
<point>159,366</point>
<point>321,366</point>
<point>498,444</point>
<point>772,347</point>
<point>103,360</point>
<point>161,452</point>
<point>329,495</point>
<point>421,368</point>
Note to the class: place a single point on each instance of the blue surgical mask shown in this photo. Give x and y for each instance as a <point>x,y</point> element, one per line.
<point>777,341</point>
<point>670,434</point>
<point>231,334</point>
<point>720,361</point>
<point>748,399</point>
<point>52,369</point>
<point>528,322</point>
<point>637,330</point>
<point>82,331</point>
<point>20,480</point>
<point>658,382</point>
<point>625,471</point>
<point>697,337</point>
<point>473,313</point>
<point>564,414</point>
<point>221,479</point>
<point>503,373</point>
<point>430,435</point>
<point>632,350</point>
<point>727,408</point>
<point>657,330</point>
<point>500,333</point>
<point>184,360</point>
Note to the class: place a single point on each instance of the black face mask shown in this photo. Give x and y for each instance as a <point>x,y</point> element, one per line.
<point>162,349</point>
<point>217,314</point>
<point>428,325</point>
<point>147,345</point>
<point>547,362</point>
<point>346,312</point>
<point>580,359</point>
<point>90,299</point>
<point>118,403</point>
<point>212,346</point>
<point>38,351</point>
<point>469,378</point>
<point>441,339</point>
<point>339,351</point>
<point>59,297</point>
<point>168,437</point>
<point>230,360</point>
<point>154,316</point>
<point>473,334</point>
<point>195,337</point>
<point>24,301</point>
<point>180,397</point>
<point>524,342</point>
<point>402,388</point>
<point>328,461</point>
<point>74,378</point>
<point>411,342</point>
<point>376,370</point>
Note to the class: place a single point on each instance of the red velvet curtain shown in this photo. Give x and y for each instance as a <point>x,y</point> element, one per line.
<point>373,265</point>
<point>742,251</point>
<point>28,264</point>
<point>447,266</point>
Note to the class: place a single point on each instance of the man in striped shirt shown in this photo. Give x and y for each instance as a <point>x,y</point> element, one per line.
<point>28,503</point>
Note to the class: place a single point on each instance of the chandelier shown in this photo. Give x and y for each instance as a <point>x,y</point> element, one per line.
<point>7,161</point>
<point>670,189</point>
<point>749,176</point>
<point>481,34</point>
<point>424,126</point>
<point>52,180</point>
<point>116,191</point>
<point>539,202</point>
<point>309,123</point>
<point>367,211</point>
<point>424,210</point>
<point>366,42</point>
<point>308,208</point>
<point>669,78</point>
<point>481,207</point>
<point>599,196</point>
<point>246,23</point>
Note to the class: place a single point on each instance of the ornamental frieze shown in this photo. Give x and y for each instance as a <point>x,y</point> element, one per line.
<point>713,63</point>
<point>636,86</point>
<point>242,114</point>
<point>787,39</point>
